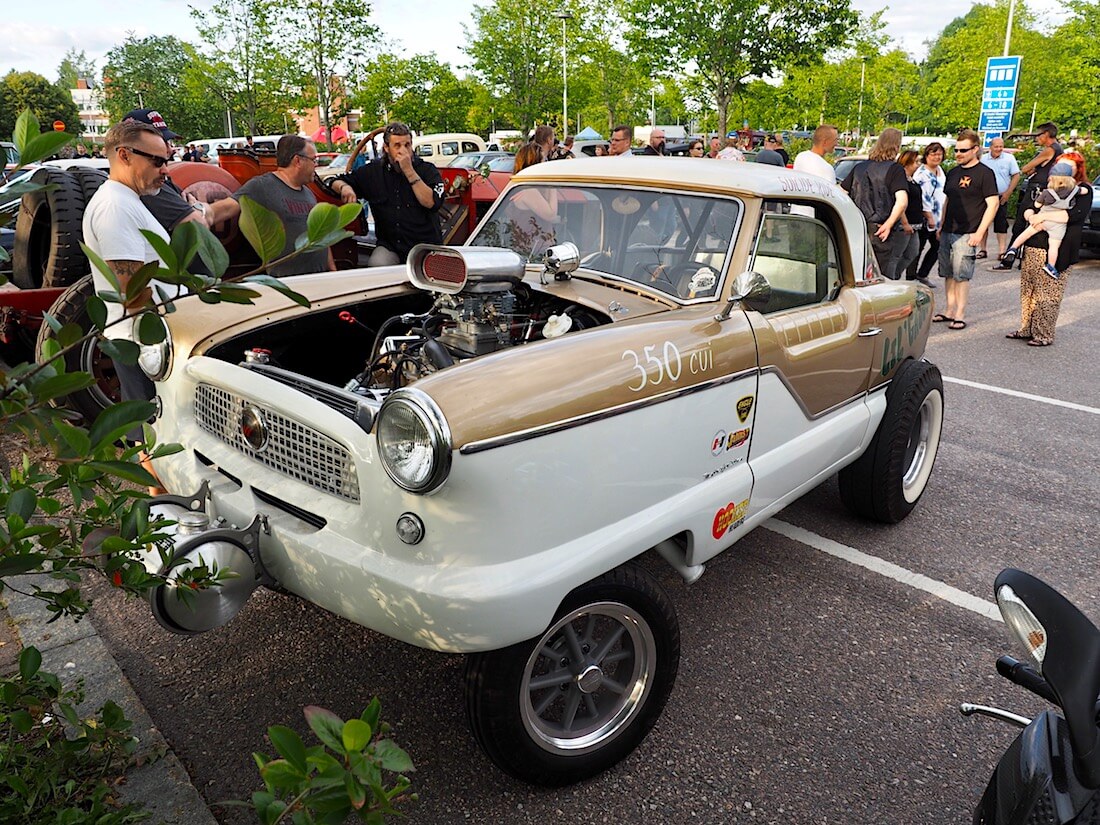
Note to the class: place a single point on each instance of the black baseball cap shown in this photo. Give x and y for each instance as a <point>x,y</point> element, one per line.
<point>153,118</point>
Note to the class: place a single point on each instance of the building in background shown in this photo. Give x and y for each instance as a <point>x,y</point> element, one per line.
<point>94,122</point>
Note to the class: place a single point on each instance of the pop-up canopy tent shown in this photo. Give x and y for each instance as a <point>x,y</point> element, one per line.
<point>588,133</point>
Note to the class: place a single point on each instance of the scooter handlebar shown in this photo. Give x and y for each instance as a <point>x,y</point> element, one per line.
<point>1027,677</point>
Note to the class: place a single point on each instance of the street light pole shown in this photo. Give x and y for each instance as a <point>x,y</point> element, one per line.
<point>565,16</point>
<point>1008,28</point>
<point>862,77</point>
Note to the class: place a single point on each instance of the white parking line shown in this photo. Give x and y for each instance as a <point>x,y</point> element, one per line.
<point>1069,405</point>
<point>959,598</point>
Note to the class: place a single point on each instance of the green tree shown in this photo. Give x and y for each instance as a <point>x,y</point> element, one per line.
<point>419,90</point>
<point>330,41</point>
<point>1077,103</point>
<point>517,57</point>
<point>734,42</point>
<point>74,66</point>
<point>244,64</point>
<point>48,102</point>
<point>608,85</point>
<point>166,74</point>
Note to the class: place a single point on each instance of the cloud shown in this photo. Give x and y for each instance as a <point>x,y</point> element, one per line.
<point>37,47</point>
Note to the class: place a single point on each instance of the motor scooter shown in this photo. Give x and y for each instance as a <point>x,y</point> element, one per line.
<point>1050,774</point>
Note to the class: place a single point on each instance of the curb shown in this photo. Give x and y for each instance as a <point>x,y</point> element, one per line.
<point>75,650</point>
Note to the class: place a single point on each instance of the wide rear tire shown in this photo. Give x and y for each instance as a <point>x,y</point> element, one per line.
<point>571,703</point>
<point>887,481</point>
<point>71,308</point>
<point>48,233</point>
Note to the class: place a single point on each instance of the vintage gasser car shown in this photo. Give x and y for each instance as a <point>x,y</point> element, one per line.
<point>467,454</point>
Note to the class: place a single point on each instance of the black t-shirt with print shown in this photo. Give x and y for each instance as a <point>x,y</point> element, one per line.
<point>966,188</point>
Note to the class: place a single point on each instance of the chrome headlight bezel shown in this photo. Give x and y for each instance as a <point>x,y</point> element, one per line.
<point>420,405</point>
<point>155,360</point>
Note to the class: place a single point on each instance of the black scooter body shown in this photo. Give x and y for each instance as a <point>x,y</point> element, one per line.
<point>1035,784</point>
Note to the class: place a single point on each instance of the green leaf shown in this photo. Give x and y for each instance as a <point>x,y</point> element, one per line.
<point>163,248</point>
<point>348,213</point>
<point>22,722</point>
<point>119,349</point>
<point>356,735</point>
<point>289,745</point>
<point>23,563</point>
<point>140,279</point>
<point>150,328</point>
<point>43,145</point>
<point>372,713</point>
<point>392,757</point>
<point>328,727</point>
<point>323,219</point>
<point>69,334</point>
<point>26,127</point>
<point>117,419</point>
<point>126,471</point>
<point>328,240</point>
<point>211,250</point>
<point>22,503</point>
<point>185,242</point>
<point>61,385</point>
<point>281,774</point>
<point>97,310</point>
<point>263,229</point>
<point>76,438</point>
<point>233,294</point>
<point>280,287</point>
<point>51,322</point>
<point>30,660</point>
<point>101,265</point>
<point>357,794</point>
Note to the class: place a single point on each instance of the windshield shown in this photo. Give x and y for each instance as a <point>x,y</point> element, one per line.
<point>674,243</point>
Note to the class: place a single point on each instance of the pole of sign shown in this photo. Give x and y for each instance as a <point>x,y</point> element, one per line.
<point>1008,28</point>
<point>564,15</point>
<point>862,76</point>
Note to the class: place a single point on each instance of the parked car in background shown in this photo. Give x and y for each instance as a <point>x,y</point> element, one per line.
<point>626,359</point>
<point>475,160</point>
<point>1090,235</point>
<point>441,149</point>
<point>337,165</point>
<point>846,164</point>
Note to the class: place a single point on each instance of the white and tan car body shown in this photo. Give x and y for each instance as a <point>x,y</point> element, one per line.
<point>662,428</point>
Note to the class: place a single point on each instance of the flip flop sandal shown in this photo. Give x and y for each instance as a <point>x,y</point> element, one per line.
<point>1039,342</point>
<point>940,318</point>
<point>957,324</point>
<point>1018,336</point>
<point>983,254</point>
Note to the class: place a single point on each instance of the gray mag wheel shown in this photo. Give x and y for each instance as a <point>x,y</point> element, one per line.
<point>574,701</point>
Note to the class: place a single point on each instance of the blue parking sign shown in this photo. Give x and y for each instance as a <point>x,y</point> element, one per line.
<point>1002,76</point>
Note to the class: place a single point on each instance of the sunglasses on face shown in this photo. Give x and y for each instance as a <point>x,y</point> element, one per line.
<point>960,149</point>
<point>157,160</point>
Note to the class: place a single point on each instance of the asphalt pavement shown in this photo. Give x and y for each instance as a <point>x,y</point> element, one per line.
<point>817,683</point>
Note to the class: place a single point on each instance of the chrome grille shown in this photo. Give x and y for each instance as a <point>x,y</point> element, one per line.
<point>293,448</point>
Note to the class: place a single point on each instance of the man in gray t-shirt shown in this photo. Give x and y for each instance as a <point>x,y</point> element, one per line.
<point>286,193</point>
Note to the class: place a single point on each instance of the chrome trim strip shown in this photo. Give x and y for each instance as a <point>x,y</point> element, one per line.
<point>597,415</point>
<point>798,398</point>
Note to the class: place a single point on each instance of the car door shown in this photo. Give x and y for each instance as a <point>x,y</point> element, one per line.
<point>816,341</point>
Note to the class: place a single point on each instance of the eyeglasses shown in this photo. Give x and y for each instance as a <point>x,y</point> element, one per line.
<point>158,160</point>
<point>959,149</point>
<point>311,158</point>
<point>617,139</point>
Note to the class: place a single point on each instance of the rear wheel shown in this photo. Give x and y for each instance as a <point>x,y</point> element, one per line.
<point>579,698</point>
<point>887,481</point>
<point>71,308</point>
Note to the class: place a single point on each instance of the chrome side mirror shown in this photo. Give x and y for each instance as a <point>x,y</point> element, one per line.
<point>750,288</point>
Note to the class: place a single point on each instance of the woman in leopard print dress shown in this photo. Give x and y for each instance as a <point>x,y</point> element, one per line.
<point>1040,294</point>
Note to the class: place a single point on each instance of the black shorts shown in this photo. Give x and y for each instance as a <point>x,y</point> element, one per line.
<point>1000,220</point>
<point>135,386</point>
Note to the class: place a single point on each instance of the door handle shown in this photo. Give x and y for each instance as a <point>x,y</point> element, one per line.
<point>869,332</point>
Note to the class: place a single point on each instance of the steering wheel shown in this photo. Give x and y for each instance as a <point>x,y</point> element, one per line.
<point>693,276</point>
<point>325,184</point>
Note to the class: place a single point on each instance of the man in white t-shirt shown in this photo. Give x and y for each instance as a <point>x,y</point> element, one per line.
<point>812,161</point>
<point>113,220</point>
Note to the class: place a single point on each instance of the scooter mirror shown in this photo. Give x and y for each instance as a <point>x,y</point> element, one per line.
<point>1071,665</point>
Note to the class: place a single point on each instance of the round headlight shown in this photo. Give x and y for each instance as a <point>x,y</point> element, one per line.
<point>414,441</point>
<point>155,360</point>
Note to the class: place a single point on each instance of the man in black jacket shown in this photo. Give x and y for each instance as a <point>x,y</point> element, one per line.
<point>404,193</point>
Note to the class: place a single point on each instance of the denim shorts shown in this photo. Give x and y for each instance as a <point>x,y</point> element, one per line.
<point>957,257</point>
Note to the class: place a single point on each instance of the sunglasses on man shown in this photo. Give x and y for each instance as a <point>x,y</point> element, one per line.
<point>157,160</point>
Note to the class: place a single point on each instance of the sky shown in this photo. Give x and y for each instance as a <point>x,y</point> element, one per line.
<point>37,41</point>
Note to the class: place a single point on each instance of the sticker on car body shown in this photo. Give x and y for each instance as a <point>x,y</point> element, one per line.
<point>729,517</point>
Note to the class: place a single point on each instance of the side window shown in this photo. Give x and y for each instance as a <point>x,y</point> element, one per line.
<point>470,147</point>
<point>424,150</point>
<point>448,148</point>
<point>798,256</point>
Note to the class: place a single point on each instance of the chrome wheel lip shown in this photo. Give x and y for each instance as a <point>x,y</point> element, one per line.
<point>924,439</point>
<point>619,714</point>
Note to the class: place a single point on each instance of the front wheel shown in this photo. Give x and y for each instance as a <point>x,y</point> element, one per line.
<point>571,703</point>
<point>887,481</point>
